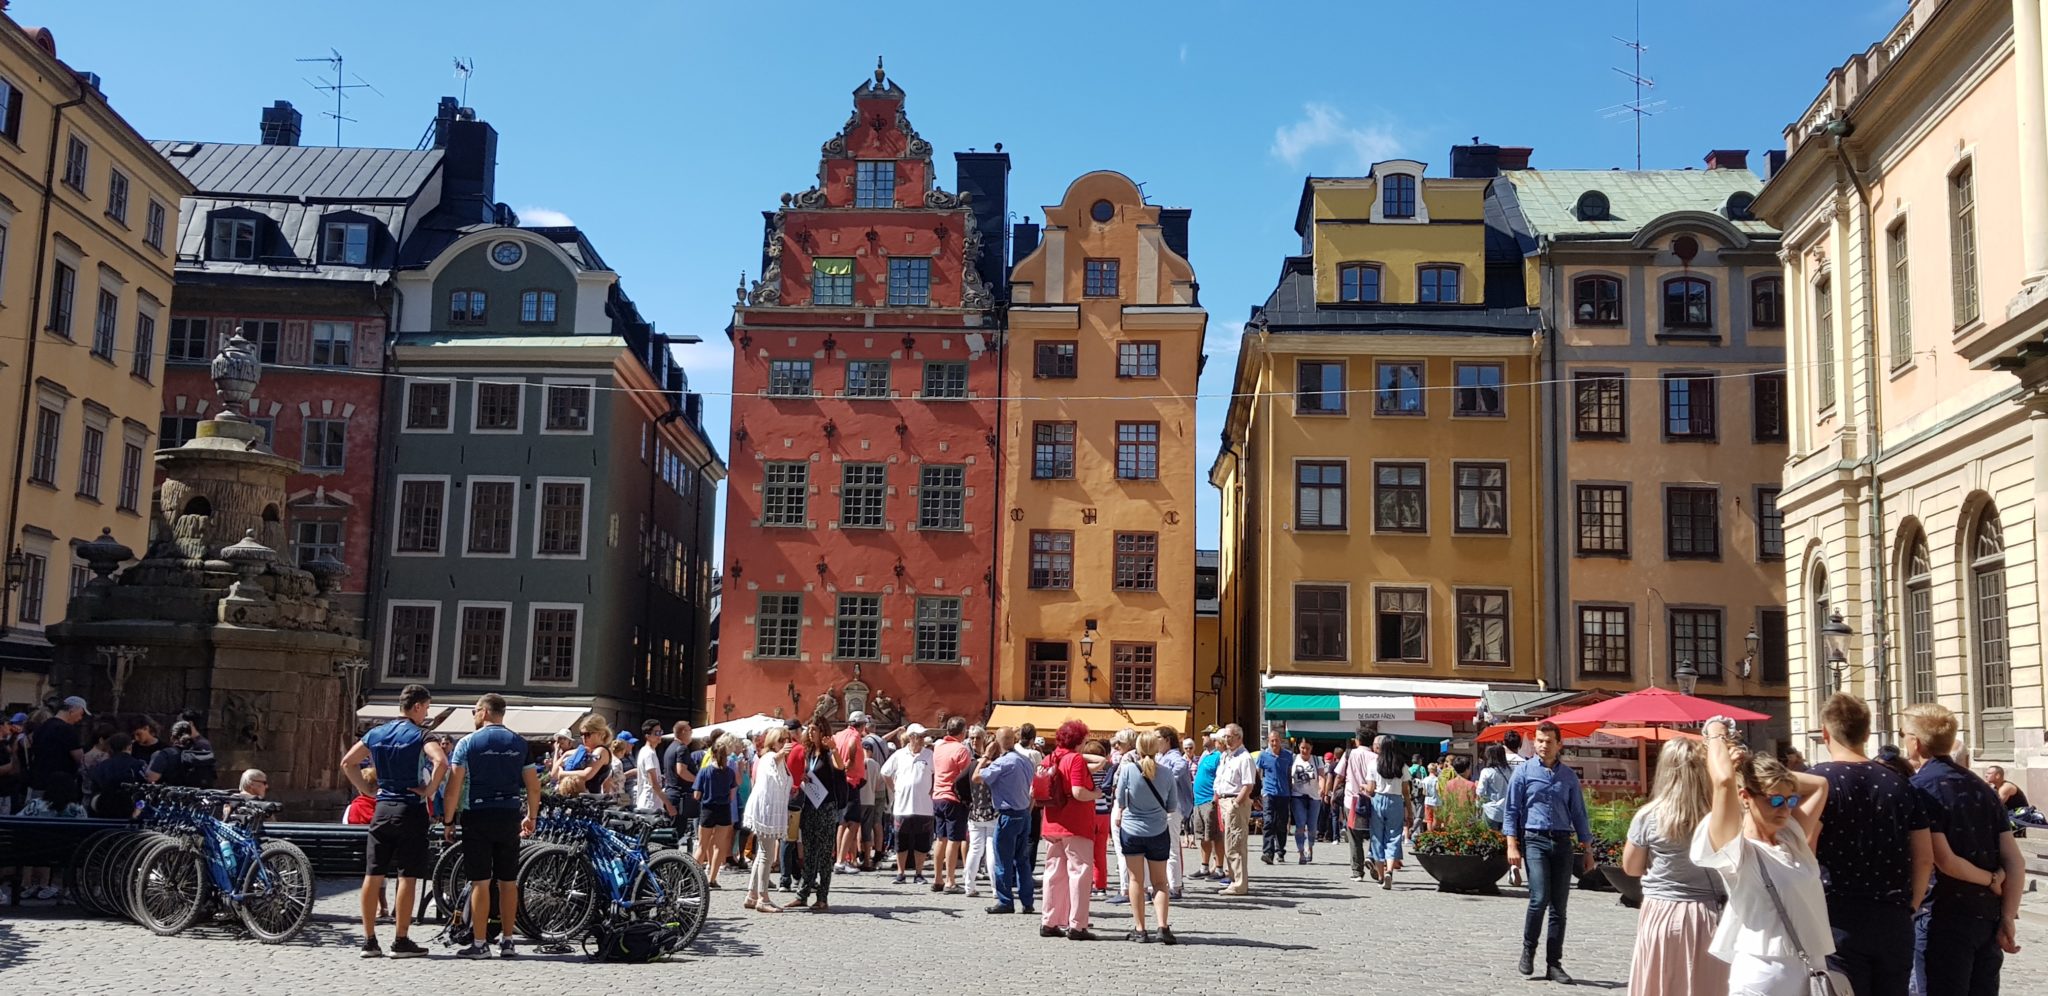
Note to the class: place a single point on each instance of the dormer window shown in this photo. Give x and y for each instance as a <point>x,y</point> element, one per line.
<point>537,306</point>
<point>466,307</point>
<point>234,239</point>
<point>874,184</point>
<point>1437,285</point>
<point>1592,206</point>
<point>346,243</point>
<point>1397,199</point>
<point>1358,283</point>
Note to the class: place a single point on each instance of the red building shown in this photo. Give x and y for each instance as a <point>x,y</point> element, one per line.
<point>861,522</point>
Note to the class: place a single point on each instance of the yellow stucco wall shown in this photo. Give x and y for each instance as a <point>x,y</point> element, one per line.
<point>112,394</point>
<point>1154,304</point>
<point>1343,234</point>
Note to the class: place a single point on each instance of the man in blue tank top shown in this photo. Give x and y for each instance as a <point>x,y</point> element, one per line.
<point>398,827</point>
<point>503,788</point>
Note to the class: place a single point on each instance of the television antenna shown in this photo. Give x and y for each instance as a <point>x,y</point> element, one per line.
<point>340,86</point>
<point>464,69</point>
<point>1637,108</point>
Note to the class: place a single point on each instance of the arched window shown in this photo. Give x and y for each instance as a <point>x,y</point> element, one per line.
<point>1817,639</point>
<point>1398,201</point>
<point>1436,284</point>
<point>1687,303</point>
<point>1989,637</point>
<point>1358,283</point>
<point>1919,621</point>
<point>1596,301</point>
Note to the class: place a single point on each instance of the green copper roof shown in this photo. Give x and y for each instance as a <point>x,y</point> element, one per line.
<point>1550,197</point>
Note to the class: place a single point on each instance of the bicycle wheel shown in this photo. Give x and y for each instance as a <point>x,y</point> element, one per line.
<point>85,867</point>
<point>557,894</point>
<point>117,876</point>
<point>277,892</point>
<point>675,885</point>
<point>169,887</point>
<point>450,896</point>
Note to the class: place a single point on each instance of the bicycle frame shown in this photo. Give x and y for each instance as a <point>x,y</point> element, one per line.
<point>226,847</point>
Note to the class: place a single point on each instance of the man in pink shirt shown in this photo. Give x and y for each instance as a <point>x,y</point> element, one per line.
<point>849,743</point>
<point>952,765</point>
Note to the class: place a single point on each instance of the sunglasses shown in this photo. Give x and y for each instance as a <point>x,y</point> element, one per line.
<point>1780,801</point>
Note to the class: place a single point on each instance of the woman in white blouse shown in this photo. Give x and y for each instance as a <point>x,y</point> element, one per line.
<point>1759,834</point>
<point>767,816</point>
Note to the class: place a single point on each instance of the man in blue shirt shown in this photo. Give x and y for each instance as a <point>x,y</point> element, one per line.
<point>1210,832</point>
<point>1969,922</point>
<point>1545,810</point>
<point>1276,775</point>
<point>1007,772</point>
<point>398,826</point>
<point>491,764</point>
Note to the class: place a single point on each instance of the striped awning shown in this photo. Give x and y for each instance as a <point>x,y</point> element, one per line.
<point>1355,708</point>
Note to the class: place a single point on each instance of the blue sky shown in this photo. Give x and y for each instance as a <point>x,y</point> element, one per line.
<point>663,129</point>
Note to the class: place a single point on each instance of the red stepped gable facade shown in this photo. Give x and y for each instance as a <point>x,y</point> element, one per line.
<point>861,521</point>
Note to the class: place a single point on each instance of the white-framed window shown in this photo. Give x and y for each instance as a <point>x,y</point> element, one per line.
<point>491,527</point>
<point>566,407</point>
<point>345,242</point>
<point>333,344</point>
<point>412,631</point>
<point>316,538</point>
<point>188,340</point>
<point>481,641</point>
<point>429,406</point>
<point>497,405</point>
<point>874,183</point>
<point>326,443</point>
<point>562,519</point>
<point>422,516</point>
<point>554,634</point>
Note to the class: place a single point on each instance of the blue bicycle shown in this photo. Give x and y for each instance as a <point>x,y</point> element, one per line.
<point>593,862</point>
<point>207,852</point>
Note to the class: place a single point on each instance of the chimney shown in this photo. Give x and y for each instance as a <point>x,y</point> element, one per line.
<point>1728,159</point>
<point>1173,225</point>
<point>1475,161</point>
<point>469,164</point>
<point>1023,240</point>
<point>1515,157</point>
<point>1774,160</point>
<point>986,175</point>
<point>280,124</point>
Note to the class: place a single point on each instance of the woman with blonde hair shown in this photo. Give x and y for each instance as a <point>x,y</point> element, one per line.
<point>585,769</point>
<point>716,785</point>
<point>1681,900</point>
<point>1758,834</point>
<point>768,815</point>
<point>1141,819</point>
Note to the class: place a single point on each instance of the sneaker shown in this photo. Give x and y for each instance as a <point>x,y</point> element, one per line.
<point>1139,937</point>
<point>1001,910</point>
<point>1030,911</point>
<point>405,948</point>
<point>1358,878</point>
<point>1175,895</point>
<point>6,894</point>
<point>474,949</point>
<point>917,879</point>
<point>1526,965</point>
<point>1046,930</point>
<point>371,950</point>
<point>958,890</point>
<point>1119,899</point>
<point>1303,860</point>
<point>1557,974</point>
<point>973,893</point>
<point>1082,934</point>
<point>1166,936</point>
<point>505,948</point>
<point>1267,858</point>
<point>47,894</point>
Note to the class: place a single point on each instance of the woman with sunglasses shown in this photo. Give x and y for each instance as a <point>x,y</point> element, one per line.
<point>1758,834</point>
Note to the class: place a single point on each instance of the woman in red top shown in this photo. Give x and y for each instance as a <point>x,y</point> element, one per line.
<point>1069,838</point>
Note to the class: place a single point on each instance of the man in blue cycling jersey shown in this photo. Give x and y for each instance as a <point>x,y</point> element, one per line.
<point>399,825</point>
<point>491,763</point>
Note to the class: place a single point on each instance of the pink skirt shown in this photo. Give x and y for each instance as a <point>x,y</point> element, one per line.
<point>1671,956</point>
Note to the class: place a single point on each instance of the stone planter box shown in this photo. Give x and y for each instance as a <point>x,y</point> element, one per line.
<point>1470,874</point>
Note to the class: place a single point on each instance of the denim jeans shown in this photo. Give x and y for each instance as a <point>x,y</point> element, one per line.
<point>1387,821</point>
<point>1548,856</point>
<point>1306,809</point>
<point>1014,866</point>
<point>1873,944</point>
<point>1959,955</point>
<point>1278,807</point>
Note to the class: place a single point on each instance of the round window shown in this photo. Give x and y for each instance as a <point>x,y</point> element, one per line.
<point>507,253</point>
<point>1102,212</point>
<point>1685,247</point>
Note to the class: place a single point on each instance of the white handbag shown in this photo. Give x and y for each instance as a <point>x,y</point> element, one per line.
<point>1822,980</point>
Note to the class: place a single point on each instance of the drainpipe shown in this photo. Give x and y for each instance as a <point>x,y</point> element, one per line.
<point>375,585</point>
<point>1873,448</point>
<point>1001,345</point>
<point>35,309</point>
<point>1560,497</point>
<point>1265,649</point>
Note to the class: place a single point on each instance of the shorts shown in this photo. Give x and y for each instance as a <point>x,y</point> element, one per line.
<point>398,841</point>
<point>1158,847</point>
<point>855,813</point>
<point>490,844</point>
<point>1205,819</point>
<point>951,818</point>
<point>913,835</point>
<point>715,816</point>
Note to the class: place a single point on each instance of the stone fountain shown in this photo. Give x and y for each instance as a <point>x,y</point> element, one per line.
<point>213,618</point>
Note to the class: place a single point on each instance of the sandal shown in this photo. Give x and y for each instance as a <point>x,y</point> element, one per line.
<point>767,907</point>
<point>749,904</point>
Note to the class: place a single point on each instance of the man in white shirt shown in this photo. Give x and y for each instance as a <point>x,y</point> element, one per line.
<point>647,794</point>
<point>1357,771</point>
<point>908,774</point>
<point>1236,777</point>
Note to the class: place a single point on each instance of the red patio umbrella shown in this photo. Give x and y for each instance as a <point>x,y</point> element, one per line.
<point>1659,733</point>
<point>1499,731</point>
<point>1656,705</point>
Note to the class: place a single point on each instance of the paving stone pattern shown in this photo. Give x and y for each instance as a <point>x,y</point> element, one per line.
<point>1302,930</point>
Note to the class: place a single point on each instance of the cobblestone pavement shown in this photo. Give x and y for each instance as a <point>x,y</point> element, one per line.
<point>1302,930</point>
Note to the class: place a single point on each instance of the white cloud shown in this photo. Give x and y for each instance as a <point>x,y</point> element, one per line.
<point>1183,53</point>
<point>1325,127</point>
<point>546,217</point>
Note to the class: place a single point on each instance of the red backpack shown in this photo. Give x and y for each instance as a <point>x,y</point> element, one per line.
<point>1049,784</point>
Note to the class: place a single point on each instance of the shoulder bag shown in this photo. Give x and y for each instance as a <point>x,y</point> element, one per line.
<point>1821,981</point>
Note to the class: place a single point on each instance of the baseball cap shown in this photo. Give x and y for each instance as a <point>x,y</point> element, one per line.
<point>857,718</point>
<point>18,718</point>
<point>564,734</point>
<point>914,730</point>
<point>74,702</point>
<point>627,737</point>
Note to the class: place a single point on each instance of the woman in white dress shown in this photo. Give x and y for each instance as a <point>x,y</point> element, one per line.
<point>767,815</point>
<point>1758,835</point>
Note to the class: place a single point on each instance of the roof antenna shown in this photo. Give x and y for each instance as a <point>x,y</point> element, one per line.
<point>339,87</point>
<point>464,68</point>
<point>1636,108</point>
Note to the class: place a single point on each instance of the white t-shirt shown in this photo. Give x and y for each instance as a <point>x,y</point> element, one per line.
<point>648,784</point>
<point>1382,783</point>
<point>1749,923</point>
<point>1234,772</point>
<point>1429,791</point>
<point>910,782</point>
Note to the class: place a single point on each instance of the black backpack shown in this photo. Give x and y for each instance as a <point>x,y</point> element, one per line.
<point>196,765</point>
<point>632,942</point>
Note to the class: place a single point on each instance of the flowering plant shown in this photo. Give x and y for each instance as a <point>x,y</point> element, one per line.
<point>1460,829</point>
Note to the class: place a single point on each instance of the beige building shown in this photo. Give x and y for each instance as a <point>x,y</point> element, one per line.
<point>1914,206</point>
<point>87,211</point>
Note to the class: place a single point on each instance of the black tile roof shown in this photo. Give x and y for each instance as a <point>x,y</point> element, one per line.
<point>290,172</point>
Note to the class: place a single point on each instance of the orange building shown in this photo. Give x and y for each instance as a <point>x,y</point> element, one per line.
<point>1096,618</point>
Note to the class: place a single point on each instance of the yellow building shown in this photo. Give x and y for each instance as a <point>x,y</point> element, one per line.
<point>1664,320</point>
<point>86,208</point>
<point>1379,465</point>
<point>1098,585</point>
